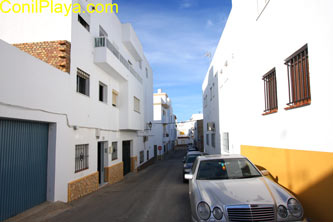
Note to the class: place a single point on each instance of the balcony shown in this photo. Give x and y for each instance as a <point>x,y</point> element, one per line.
<point>131,42</point>
<point>112,61</point>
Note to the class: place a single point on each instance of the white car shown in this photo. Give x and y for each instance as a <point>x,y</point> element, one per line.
<point>230,188</point>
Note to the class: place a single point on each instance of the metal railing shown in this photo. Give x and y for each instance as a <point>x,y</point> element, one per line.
<point>105,42</point>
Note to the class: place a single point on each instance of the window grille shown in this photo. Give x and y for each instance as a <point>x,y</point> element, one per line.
<point>81,157</point>
<point>298,78</point>
<point>270,88</point>
<point>114,150</point>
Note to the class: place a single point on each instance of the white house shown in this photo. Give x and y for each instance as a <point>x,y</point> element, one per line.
<point>186,130</point>
<point>164,125</point>
<point>85,120</point>
<point>266,94</point>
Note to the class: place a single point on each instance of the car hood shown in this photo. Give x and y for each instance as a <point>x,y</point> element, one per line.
<point>235,191</point>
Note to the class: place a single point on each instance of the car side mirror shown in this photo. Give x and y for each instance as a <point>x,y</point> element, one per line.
<point>265,172</point>
<point>188,176</point>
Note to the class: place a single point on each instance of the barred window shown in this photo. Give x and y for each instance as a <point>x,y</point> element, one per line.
<point>271,103</point>
<point>298,78</point>
<point>114,150</point>
<point>81,157</point>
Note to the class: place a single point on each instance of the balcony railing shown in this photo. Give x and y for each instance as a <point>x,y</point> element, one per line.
<point>105,42</point>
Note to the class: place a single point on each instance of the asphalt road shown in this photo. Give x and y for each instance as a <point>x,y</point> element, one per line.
<point>156,193</point>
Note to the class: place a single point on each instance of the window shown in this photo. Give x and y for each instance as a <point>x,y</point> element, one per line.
<point>226,142</point>
<point>114,98</point>
<point>207,139</point>
<point>103,92</point>
<point>205,101</point>
<point>81,157</point>
<point>83,23</point>
<point>271,103</point>
<point>298,78</point>
<point>142,156</point>
<point>147,155</point>
<point>82,82</point>
<point>102,32</point>
<point>147,73</point>
<point>213,90</point>
<point>136,105</point>
<point>140,64</point>
<point>211,93</point>
<point>114,150</point>
<point>213,139</point>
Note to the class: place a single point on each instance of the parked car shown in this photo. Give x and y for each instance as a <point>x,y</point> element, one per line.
<point>230,188</point>
<point>189,159</point>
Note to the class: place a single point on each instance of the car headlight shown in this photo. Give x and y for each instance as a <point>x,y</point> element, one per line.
<point>203,210</point>
<point>282,211</point>
<point>294,207</point>
<point>218,213</point>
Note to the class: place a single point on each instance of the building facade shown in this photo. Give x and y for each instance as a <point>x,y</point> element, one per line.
<point>164,125</point>
<point>265,95</point>
<point>82,84</point>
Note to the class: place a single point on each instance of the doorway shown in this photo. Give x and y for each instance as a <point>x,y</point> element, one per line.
<point>127,156</point>
<point>100,162</point>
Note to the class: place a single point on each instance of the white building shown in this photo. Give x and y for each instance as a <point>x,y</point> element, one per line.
<point>266,94</point>
<point>92,121</point>
<point>186,131</point>
<point>164,125</point>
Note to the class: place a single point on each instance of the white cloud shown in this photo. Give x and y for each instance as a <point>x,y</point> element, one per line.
<point>186,4</point>
<point>209,23</point>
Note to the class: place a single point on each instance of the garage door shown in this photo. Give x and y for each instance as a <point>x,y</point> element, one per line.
<point>23,165</point>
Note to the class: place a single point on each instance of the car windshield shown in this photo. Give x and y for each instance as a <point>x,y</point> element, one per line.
<point>223,169</point>
<point>191,158</point>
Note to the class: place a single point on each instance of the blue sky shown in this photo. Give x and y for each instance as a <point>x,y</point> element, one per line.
<point>176,35</point>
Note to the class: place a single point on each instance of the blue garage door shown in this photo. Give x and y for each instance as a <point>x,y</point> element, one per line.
<point>23,165</point>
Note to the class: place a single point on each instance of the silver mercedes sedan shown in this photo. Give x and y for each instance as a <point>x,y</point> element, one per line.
<point>230,188</point>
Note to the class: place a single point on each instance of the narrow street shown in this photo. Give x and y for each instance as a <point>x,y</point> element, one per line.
<point>154,194</point>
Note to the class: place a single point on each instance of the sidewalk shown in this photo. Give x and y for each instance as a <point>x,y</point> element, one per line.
<point>40,213</point>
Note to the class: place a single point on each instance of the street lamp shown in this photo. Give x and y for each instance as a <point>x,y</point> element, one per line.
<point>150,125</point>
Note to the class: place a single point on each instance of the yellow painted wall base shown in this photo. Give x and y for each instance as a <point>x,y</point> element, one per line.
<point>134,161</point>
<point>82,186</point>
<point>114,174</point>
<point>308,174</point>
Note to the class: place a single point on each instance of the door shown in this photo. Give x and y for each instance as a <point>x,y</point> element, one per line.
<point>100,162</point>
<point>23,165</point>
<point>127,156</point>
